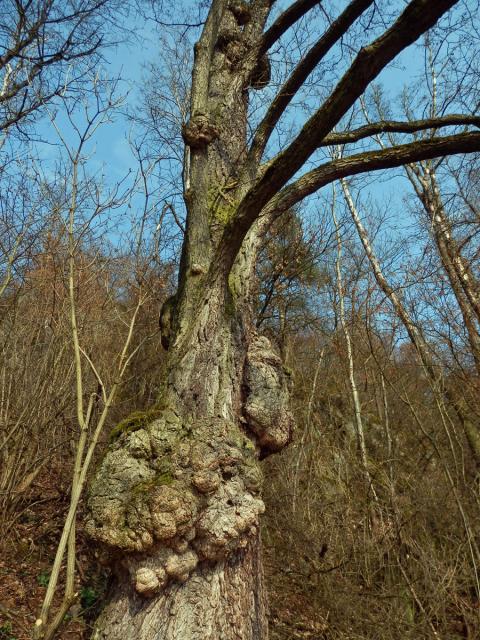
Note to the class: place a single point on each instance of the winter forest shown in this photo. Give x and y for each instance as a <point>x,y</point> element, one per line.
<point>239,319</point>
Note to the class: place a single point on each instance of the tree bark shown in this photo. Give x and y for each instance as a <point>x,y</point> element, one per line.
<point>225,600</point>
<point>175,504</point>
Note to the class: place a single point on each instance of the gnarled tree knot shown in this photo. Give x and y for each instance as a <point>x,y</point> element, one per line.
<point>171,495</point>
<point>266,407</point>
<point>199,131</point>
<point>241,11</point>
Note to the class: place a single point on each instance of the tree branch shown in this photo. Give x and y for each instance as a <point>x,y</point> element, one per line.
<point>301,73</point>
<point>417,18</point>
<point>284,21</point>
<point>372,161</point>
<point>325,174</point>
<point>391,126</point>
<point>203,54</point>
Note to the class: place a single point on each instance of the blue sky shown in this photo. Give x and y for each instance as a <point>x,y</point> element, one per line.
<point>128,61</point>
<point>111,156</point>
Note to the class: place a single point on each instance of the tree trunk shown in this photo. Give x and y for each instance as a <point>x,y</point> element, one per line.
<point>460,276</point>
<point>223,600</point>
<point>441,392</point>
<point>176,502</point>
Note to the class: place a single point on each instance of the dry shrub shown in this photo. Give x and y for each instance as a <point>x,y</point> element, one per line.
<point>38,426</point>
<point>401,566</point>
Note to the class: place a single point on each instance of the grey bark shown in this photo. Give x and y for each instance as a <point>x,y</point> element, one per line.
<point>176,501</point>
<point>216,602</point>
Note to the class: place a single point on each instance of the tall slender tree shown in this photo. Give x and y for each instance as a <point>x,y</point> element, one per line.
<point>175,504</point>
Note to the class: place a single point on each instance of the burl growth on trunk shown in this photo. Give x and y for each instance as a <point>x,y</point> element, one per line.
<point>173,493</point>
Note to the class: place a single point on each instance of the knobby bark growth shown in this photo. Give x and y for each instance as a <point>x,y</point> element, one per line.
<point>175,504</point>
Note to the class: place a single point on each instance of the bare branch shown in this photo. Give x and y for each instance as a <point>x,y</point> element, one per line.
<point>372,161</point>
<point>417,18</point>
<point>284,21</point>
<point>301,73</point>
<point>392,126</point>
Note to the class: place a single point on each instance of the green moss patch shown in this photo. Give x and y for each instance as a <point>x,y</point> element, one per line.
<point>135,421</point>
<point>221,204</point>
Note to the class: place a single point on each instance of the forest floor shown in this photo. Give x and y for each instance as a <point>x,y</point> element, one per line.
<point>27,552</point>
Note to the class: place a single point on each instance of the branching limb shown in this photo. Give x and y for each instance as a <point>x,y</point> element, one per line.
<point>392,126</point>
<point>373,161</point>
<point>284,21</point>
<point>335,170</point>
<point>301,73</point>
<point>418,17</point>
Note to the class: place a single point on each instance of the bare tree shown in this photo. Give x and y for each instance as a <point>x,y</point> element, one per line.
<point>176,501</point>
<point>49,48</point>
<point>359,429</point>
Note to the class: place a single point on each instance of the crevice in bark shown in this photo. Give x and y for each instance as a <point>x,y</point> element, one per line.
<point>218,601</point>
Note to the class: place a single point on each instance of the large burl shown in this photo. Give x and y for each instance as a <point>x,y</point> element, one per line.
<point>267,398</point>
<point>171,495</point>
<point>199,131</point>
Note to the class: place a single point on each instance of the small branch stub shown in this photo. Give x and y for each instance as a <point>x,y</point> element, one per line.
<point>231,44</point>
<point>261,74</point>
